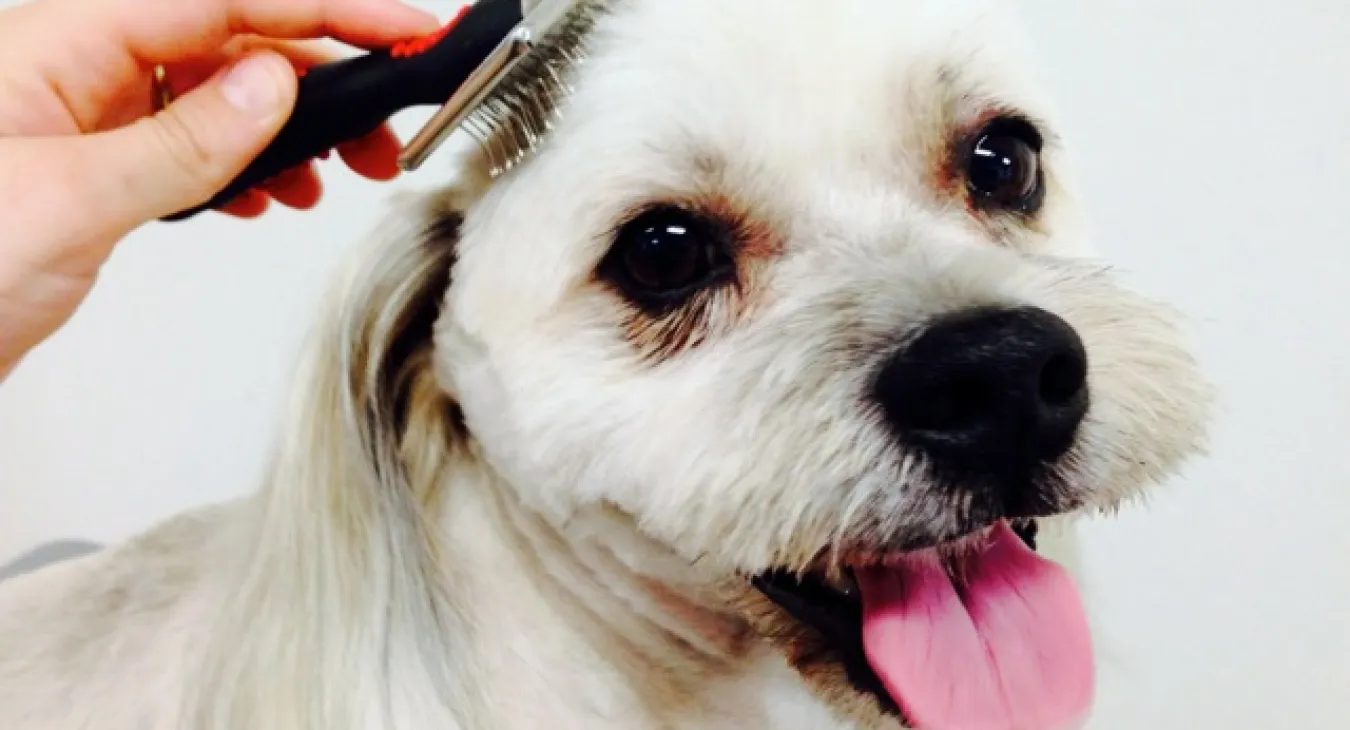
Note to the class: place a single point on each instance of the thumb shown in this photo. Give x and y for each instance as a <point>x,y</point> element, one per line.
<point>186,153</point>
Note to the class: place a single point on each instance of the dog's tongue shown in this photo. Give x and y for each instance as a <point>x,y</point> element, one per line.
<point>1006,649</point>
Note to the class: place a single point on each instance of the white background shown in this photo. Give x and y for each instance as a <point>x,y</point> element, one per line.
<point>1212,135</point>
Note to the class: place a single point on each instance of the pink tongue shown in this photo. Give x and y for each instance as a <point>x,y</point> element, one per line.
<point>1007,650</point>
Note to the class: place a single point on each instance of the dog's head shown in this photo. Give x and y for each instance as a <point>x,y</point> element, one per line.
<point>798,287</point>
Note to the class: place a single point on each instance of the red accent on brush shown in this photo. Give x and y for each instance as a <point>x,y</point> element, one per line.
<point>404,49</point>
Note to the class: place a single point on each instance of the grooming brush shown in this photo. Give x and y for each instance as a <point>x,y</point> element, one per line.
<point>496,69</point>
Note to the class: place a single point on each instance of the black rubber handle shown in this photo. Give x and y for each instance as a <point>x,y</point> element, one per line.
<point>348,99</point>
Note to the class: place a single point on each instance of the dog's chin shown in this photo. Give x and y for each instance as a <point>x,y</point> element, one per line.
<point>817,621</point>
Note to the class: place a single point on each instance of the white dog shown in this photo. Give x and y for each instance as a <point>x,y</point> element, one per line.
<point>721,411</point>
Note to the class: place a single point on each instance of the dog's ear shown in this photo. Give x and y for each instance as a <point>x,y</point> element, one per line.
<point>341,541</point>
<point>393,412</point>
<point>375,415</point>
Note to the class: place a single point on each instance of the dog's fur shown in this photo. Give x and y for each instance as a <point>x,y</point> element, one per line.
<point>507,498</point>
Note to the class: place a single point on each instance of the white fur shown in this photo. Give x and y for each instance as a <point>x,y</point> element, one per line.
<point>564,565</point>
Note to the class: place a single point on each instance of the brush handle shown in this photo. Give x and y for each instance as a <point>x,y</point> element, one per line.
<point>346,100</point>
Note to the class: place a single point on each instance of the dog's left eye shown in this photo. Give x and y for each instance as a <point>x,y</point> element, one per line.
<point>1003,169</point>
<point>664,253</point>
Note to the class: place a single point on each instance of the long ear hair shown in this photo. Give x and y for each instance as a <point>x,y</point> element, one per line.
<point>338,588</point>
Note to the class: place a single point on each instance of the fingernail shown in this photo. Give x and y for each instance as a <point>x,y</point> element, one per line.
<point>252,87</point>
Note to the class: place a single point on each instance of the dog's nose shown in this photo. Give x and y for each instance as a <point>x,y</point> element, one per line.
<point>991,392</point>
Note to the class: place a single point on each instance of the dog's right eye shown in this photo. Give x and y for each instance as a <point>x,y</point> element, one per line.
<point>665,254</point>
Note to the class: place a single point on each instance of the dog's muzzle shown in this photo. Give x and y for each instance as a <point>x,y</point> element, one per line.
<point>992,398</point>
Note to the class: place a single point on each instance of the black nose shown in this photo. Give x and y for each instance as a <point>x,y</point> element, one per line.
<point>992,392</point>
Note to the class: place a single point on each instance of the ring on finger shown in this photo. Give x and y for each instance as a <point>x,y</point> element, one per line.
<point>161,93</point>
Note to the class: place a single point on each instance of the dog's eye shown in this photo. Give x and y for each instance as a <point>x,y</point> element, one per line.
<point>665,252</point>
<point>1003,170</point>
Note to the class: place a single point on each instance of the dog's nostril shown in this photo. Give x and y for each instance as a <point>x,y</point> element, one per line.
<point>992,392</point>
<point>1062,379</point>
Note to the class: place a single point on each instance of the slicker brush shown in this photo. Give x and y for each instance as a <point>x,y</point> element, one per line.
<point>498,70</point>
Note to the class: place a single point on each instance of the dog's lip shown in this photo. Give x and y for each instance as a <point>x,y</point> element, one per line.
<point>830,561</point>
<point>827,600</point>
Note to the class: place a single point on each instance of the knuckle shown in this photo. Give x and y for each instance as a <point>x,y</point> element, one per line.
<point>182,146</point>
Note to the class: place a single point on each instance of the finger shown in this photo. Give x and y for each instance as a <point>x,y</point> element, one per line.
<point>303,53</point>
<point>185,76</point>
<point>185,154</point>
<point>374,156</point>
<point>296,188</point>
<point>108,45</point>
<point>160,31</point>
<point>249,204</point>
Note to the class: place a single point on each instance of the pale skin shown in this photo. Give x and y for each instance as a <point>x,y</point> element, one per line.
<point>85,158</point>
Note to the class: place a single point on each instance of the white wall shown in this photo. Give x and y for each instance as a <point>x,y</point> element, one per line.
<point>1213,139</point>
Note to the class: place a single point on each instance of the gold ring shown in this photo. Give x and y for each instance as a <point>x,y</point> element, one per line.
<point>162,95</point>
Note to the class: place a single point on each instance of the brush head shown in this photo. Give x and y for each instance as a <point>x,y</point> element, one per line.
<point>511,102</point>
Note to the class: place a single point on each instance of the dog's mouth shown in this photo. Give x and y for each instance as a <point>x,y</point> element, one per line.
<point>976,632</point>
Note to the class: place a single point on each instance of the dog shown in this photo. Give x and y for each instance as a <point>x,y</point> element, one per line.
<point>791,295</point>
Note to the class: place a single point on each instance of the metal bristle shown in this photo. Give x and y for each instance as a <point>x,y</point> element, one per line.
<point>526,105</point>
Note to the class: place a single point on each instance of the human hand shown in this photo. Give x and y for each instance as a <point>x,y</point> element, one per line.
<point>85,158</point>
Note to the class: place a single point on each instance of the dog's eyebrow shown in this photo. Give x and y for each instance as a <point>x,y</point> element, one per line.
<point>961,89</point>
